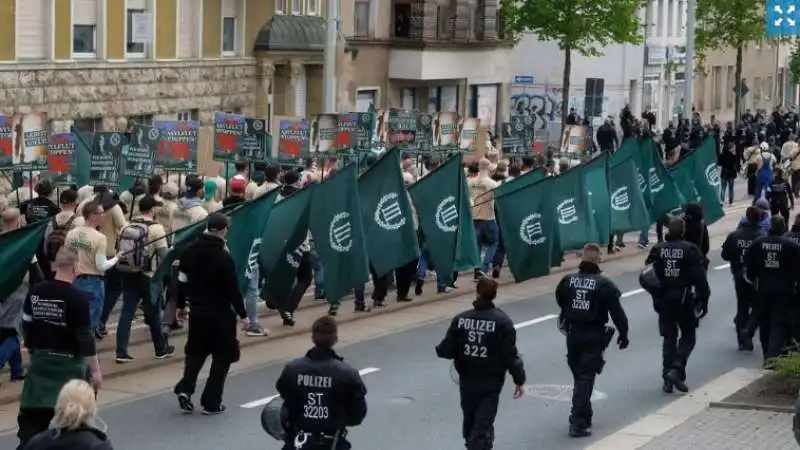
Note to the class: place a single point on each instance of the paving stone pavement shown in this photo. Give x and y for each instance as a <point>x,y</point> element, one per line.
<point>728,429</point>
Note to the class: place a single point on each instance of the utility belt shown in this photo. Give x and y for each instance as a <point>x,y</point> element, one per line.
<point>303,439</point>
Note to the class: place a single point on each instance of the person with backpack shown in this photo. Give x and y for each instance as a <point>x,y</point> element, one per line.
<point>40,208</point>
<point>61,224</point>
<point>142,243</point>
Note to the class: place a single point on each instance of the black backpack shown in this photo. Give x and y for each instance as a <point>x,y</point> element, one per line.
<point>55,240</point>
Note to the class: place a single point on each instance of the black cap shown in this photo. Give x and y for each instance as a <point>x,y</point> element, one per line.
<point>147,203</point>
<point>194,184</point>
<point>217,222</point>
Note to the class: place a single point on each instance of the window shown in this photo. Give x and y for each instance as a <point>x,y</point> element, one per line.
<point>407,98</point>
<point>280,6</point>
<point>716,89</point>
<point>445,18</point>
<point>757,88</point>
<point>192,114</point>
<point>133,48</point>
<point>312,7</point>
<point>92,125</point>
<point>593,97</point>
<point>234,111</point>
<point>144,119</point>
<point>731,86</point>
<point>769,87</point>
<point>84,40</point>
<point>297,7</point>
<point>361,19</point>
<point>366,99</point>
<point>402,20</point>
<point>229,35</point>
<point>473,20</point>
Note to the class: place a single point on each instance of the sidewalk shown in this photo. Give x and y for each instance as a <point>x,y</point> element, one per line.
<point>689,423</point>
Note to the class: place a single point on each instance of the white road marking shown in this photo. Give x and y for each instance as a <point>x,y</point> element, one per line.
<point>632,293</point>
<point>264,401</point>
<point>528,323</point>
<point>722,266</point>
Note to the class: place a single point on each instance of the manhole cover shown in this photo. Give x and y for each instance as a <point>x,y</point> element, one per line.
<point>557,392</point>
<point>404,400</point>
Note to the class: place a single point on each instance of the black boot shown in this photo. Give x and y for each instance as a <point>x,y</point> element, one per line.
<point>579,431</point>
<point>668,388</point>
<point>674,376</point>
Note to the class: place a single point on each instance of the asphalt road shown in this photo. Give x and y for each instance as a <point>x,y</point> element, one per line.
<point>413,400</point>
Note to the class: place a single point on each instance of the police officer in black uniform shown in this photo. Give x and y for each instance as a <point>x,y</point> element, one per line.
<point>680,267</point>
<point>733,251</point>
<point>322,394</point>
<point>482,343</point>
<point>771,263</point>
<point>586,299</point>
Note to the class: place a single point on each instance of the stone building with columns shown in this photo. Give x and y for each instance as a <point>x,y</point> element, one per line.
<point>99,64</point>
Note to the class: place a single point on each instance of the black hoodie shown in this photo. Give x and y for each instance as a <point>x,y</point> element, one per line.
<point>696,229</point>
<point>82,438</point>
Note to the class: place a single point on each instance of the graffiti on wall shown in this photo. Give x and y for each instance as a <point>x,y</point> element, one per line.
<point>544,108</point>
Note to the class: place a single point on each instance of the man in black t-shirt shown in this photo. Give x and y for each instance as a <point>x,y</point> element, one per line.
<point>59,338</point>
<point>40,208</point>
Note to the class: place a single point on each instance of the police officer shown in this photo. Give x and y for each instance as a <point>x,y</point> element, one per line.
<point>733,251</point>
<point>482,343</point>
<point>680,267</point>
<point>322,394</point>
<point>586,299</point>
<point>771,265</point>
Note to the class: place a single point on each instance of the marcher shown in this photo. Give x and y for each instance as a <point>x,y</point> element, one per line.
<point>696,230</point>
<point>779,195</point>
<point>61,344</point>
<point>587,299</point>
<point>207,280</point>
<point>75,425</point>
<point>323,395</point>
<point>729,170</point>
<point>733,250</point>
<point>680,267</point>
<point>771,264</point>
<point>482,343</point>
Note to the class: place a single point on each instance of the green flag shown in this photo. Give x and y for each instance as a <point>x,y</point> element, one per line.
<point>666,193</point>
<point>520,182</point>
<point>387,215</point>
<point>181,239</point>
<point>528,229</point>
<point>595,173</point>
<point>437,199</point>
<point>245,234</point>
<point>284,242</point>
<point>706,180</point>
<point>570,196</point>
<point>338,233</point>
<point>83,156</point>
<point>628,208</point>
<point>468,257</point>
<point>17,249</point>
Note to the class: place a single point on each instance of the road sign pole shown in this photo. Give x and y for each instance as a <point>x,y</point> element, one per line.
<point>688,83</point>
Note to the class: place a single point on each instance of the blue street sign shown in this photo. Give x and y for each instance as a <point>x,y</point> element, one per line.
<point>782,18</point>
<point>524,79</point>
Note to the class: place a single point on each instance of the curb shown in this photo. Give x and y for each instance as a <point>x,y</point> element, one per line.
<point>751,407</point>
<point>392,307</point>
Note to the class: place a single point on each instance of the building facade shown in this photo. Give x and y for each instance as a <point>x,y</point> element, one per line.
<point>98,64</point>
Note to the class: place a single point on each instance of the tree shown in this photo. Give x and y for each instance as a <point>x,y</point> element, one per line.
<point>728,23</point>
<point>583,26</point>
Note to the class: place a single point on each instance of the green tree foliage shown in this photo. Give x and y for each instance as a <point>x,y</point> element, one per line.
<point>794,62</point>
<point>728,24</point>
<point>583,26</point>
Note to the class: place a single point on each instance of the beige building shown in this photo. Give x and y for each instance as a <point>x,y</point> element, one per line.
<point>96,64</point>
<point>761,73</point>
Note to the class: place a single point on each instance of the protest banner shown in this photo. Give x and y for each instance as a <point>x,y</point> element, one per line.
<point>23,142</point>
<point>62,159</point>
<point>401,129</point>
<point>294,139</point>
<point>468,133</point>
<point>253,146</point>
<point>177,145</point>
<point>324,130</point>
<point>138,156</point>
<point>446,129</point>
<point>229,131</point>
<point>105,158</point>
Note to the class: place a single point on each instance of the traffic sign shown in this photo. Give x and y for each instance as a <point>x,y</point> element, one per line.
<point>782,18</point>
<point>524,79</point>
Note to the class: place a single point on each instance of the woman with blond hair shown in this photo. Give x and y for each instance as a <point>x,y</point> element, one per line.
<point>75,425</point>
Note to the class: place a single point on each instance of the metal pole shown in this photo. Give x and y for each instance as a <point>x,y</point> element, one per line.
<point>688,82</point>
<point>329,76</point>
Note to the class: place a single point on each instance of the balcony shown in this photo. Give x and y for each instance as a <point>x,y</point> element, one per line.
<point>478,66</point>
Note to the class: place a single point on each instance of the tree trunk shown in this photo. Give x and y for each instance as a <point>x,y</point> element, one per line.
<point>565,92</point>
<point>737,101</point>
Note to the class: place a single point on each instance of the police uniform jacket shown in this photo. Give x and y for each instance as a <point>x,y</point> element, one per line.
<point>736,243</point>
<point>588,298</point>
<point>322,393</point>
<point>771,263</point>
<point>679,266</point>
<point>482,343</point>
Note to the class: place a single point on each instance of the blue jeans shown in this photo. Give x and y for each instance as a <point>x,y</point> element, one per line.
<point>761,185</point>
<point>319,279</point>
<point>644,236</point>
<point>10,352</point>
<point>94,287</point>
<point>358,293</point>
<point>487,234</point>
<point>726,185</point>
<point>422,269</point>
<point>135,288</point>
<point>251,299</point>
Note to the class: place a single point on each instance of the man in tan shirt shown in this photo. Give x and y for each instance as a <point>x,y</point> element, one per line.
<point>91,246</point>
<point>136,281</point>
<point>481,195</point>
<point>169,195</point>
<point>67,218</point>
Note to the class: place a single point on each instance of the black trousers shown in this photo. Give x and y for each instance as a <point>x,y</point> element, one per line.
<point>209,336</point>
<point>479,408</point>
<point>305,275</point>
<point>585,361</point>
<point>775,330</point>
<point>678,329</point>
<point>32,421</point>
<point>745,304</point>
<point>404,276</point>
<point>380,285</point>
